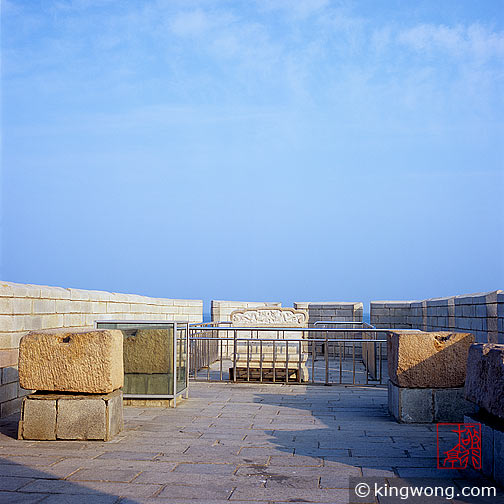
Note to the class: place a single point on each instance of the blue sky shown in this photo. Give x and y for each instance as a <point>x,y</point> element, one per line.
<point>264,150</point>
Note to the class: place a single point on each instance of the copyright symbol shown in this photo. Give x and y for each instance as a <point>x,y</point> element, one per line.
<point>362,490</point>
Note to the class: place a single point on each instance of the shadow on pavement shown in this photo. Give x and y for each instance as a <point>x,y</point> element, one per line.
<point>358,433</point>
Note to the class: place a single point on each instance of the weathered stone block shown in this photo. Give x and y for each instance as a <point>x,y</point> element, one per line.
<point>484,384</point>
<point>450,405</point>
<point>114,414</point>
<point>81,418</point>
<point>427,405</point>
<point>62,360</point>
<point>492,444</point>
<point>428,360</point>
<point>415,406</point>
<point>487,449</point>
<point>38,420</point>
<point>498,456</point>
<point>47,416</point>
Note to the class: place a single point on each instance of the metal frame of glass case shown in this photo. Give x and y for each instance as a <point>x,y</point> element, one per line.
<point>183,349</point>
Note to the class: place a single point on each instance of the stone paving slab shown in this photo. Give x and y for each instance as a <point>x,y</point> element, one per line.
<point>253,443</point>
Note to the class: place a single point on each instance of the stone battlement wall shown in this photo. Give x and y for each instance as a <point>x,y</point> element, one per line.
<point>25,308</point>
<point>331,311</point>
<point>481,314</point>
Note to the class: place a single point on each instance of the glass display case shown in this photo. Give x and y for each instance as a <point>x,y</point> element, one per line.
<point>155,358</point>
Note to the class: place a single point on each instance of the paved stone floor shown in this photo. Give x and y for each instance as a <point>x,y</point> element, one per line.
<point>238,443</point>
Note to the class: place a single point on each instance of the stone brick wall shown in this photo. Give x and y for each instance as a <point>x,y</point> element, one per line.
<point>221,310</point>
<point>481,314</point>
<point>342,311</point>
<point>29,307</point>
<point>395,314</point>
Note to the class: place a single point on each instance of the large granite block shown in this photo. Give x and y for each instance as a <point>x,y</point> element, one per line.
<point>41,417</point>
<point>484,384</point>
<point>450,405</point>
<point>419,359</point>
<point>498,456</point>
<point>416,405</point>
<point>46,416</point>
<point>410,405</point>
<point>427,405</point>
<point>492,444</point>
<point>65,360</point>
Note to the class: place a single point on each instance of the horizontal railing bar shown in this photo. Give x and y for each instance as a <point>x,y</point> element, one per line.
<point>295,329</point>
<point>339,322</point>
<point>321,340</point>
<point>207,324</point>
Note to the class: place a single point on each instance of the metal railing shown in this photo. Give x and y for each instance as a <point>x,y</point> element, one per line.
<point>367,351</point>
<point>341,322</point>
<point>225,354</point>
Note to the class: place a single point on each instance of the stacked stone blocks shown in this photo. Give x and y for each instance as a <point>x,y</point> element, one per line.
<point>426,376</point>
<point>78,376</point>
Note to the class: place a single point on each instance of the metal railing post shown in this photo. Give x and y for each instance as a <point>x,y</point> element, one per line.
<point>274,361</point>
<point>261,360</point>
<point>341,362</point>
<point>314,356</point>
<point>208,359</point>
<point>220,360</point>
<point>353,363</point>
<point>234,356</point>
<point>299,363</point>
<point>326,356</point>
<point>286,360</point>
<point>188,361</point>
<point>248,360</point>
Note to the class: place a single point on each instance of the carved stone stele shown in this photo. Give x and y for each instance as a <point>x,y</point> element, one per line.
<point>251,344</point>
<point>269,316</point>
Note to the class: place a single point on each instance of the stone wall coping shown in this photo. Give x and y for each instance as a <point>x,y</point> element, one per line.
<point>325,303</point>
<point>16,290</point>
<point>395,304</point>
<point>478,297</point>
<point>241,303</point>
<point>475,298</point>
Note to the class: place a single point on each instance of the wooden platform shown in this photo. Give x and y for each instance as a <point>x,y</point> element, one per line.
<point>254,374</point>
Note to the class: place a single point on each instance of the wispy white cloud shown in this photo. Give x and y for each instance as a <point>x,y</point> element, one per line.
<point>198,22</point>
<point>297,9</point>
<point>459,41</point>
<point>302,53</point>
